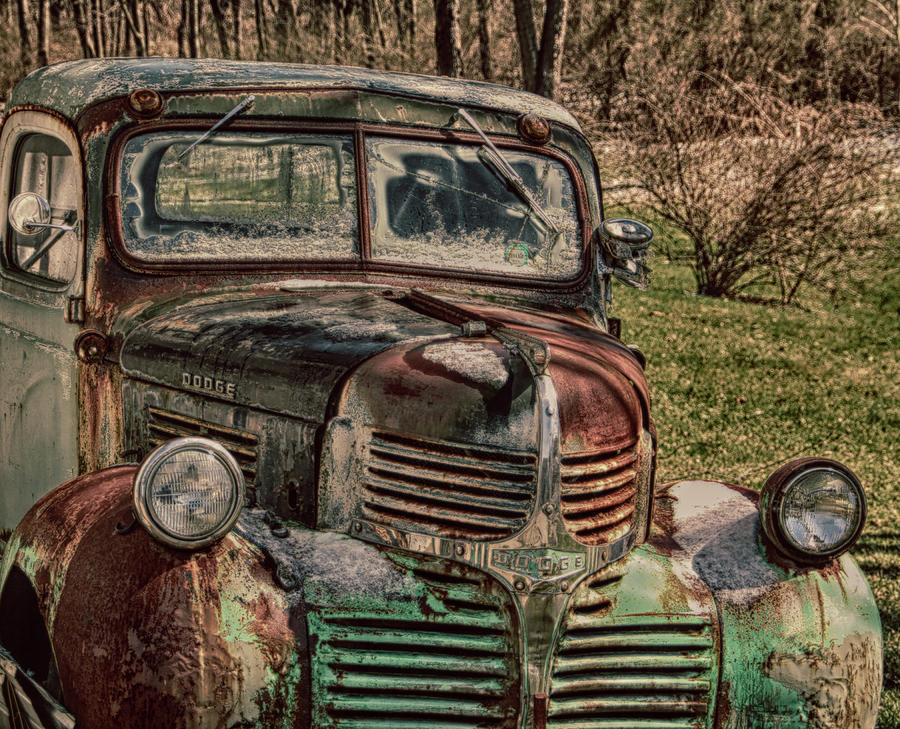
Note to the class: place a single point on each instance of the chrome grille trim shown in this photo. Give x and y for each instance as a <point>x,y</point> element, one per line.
<point>164,425</point>
<point>641,671</point>
<point>447,489</point>
<point>598,494</point>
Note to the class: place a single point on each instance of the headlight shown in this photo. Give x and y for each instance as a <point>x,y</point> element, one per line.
<point>188,492</point>
<point>813,509</point>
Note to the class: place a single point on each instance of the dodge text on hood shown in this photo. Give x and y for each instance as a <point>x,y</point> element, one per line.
<point>347,440</point>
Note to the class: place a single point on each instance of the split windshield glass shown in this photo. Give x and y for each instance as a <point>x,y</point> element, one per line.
<point>239,197</point>
<point>282,197</point>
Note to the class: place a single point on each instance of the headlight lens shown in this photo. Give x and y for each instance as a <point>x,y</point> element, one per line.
<point>189,492</point>
<point>813,509</point>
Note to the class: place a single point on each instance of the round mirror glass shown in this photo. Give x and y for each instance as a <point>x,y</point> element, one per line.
<point>26,210</point>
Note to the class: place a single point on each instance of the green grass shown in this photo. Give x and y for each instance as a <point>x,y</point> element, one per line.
<point>741,387</point>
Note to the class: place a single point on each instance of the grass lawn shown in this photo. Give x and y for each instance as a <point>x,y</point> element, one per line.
<point>741,387</point>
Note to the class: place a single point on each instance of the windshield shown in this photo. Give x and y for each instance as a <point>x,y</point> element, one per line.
<point>445,205</point>
<point>239,196</point>
<point>243,196</point>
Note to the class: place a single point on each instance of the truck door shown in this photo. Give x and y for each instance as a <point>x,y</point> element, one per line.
<point>41,290</point>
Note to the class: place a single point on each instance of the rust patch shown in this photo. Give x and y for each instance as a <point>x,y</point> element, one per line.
<point>100,416</point>
<point>839,683</point>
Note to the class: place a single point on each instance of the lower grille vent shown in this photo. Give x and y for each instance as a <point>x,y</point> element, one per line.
<point>647,672</point>
<point>448,489</point>
<point>598,494</point>
<point>164,425</point>
<point>453,670</point>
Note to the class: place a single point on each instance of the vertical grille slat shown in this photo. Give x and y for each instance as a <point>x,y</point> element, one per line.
<point>598,494</point>
<point>164,425</point>
<point>633,672</point>
<point>449,489</point>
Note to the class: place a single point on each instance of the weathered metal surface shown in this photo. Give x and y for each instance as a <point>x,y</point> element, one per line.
<point>801,647</point>
<point>39,364</point>
<point>282,353</point>
<point>276,454</point>
<point>71,87</point>
<point>148,636</point>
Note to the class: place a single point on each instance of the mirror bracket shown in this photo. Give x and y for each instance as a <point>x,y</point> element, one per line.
<point>29,214</point>
<point>622,247</point>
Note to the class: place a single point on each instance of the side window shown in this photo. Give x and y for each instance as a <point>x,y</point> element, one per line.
<point>44,164</point>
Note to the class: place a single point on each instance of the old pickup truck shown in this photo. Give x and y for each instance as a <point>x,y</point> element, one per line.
<point>313,415</point>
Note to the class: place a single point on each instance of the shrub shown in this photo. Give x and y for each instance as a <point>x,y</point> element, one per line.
<point>771,196</point>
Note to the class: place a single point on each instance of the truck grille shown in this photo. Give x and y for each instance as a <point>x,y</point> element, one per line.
<point>444,670</point>
<point>163,425</point>
<point>449,489</point>
<point>598,494</point>
<point>647,671</point>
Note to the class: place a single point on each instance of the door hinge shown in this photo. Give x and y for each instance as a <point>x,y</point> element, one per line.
<point>75,309</point>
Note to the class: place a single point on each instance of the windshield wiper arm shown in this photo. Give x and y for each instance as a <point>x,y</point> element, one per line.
<point>212,130</point>
<point>506,171</point>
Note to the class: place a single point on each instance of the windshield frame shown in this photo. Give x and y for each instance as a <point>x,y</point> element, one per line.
<point>365,264</point>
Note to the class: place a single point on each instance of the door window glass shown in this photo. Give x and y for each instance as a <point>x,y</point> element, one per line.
<point>45,165</point>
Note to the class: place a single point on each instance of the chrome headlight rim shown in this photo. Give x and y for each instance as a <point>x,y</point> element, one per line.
<point>144,478</point>
<point>774,496</point>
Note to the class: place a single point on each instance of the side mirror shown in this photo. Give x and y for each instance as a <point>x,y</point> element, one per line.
<point>623,245</point>
<point>29,214</point>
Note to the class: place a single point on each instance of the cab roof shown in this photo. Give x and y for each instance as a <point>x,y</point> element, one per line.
<point>71,87</point>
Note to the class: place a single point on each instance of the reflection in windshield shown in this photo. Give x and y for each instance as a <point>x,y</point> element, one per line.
<point>441,205</point>
<point>240,197</point>
<point>292,197</point>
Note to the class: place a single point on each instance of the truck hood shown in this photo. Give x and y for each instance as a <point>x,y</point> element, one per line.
<point>293,353</point>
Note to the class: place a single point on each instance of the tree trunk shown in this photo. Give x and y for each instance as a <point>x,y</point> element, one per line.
<point>83,28</point>
<point>97,26</point>
<point>379,23</point>
<point>410,15</point>
<point>145,24</point>
<point>484,38</point>
<point>448,42</point>
<point>528,50</point>
<point>218,12</point>
<point>405,16</point>
<point>23,13</point>
<point>346,13</point>
<point>134,19</point>
<point>285,27</point>
<point>43,32</point>
<point>368,34</point>
<point>193,36</point>
<point>337,32</point>
<point>553,41</point>
<point>182,30</point>
<point>261,46</point>
<point>237,30</point>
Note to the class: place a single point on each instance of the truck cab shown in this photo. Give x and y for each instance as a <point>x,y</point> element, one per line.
<point>314,416</point>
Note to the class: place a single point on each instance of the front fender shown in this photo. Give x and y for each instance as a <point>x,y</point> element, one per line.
<point>147,636</point>
<point>801,647</point>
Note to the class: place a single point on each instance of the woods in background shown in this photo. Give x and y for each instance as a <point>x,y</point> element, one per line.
<point>583,51</point>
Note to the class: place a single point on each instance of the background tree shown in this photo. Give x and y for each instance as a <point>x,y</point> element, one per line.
<point>447,37</point>
<point>541,64</point>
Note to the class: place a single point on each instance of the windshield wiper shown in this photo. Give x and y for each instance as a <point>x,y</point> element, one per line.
<point>506,171</point>
<point>242,106</point>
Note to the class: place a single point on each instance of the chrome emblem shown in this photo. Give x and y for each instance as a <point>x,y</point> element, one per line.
<point>208,384</point>
<point>539,563</point>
